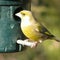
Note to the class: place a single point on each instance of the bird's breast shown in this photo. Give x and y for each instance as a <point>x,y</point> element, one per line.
<point>29,31</point>
<point>25,23</point>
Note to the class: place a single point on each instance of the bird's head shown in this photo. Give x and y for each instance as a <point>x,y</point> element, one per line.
<point>24,14</point>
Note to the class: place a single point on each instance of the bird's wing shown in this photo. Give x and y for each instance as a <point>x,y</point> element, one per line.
<point>45,32</point>
<point>42,30</point>
<point>36,27</point>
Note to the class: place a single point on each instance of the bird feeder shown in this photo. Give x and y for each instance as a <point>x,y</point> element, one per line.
<point>9,27</point>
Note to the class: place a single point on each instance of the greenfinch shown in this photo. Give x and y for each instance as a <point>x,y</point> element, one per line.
<point>32,29</point>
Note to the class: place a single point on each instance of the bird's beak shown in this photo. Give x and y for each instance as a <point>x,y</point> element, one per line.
<point>17,14</point>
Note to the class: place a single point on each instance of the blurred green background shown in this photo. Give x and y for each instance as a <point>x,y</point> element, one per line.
<point>47,12</point>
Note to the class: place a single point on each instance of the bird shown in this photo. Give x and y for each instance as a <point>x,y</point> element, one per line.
<point>35,32</point>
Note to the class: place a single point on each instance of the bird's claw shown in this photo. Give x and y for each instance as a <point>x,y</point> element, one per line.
<point>34,44</point>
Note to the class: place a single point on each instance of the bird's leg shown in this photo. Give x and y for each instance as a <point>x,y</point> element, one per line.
<point>40,41</point>
<point>35,43</point>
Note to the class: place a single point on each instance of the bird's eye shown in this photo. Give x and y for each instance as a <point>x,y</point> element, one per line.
<point>23,14</point>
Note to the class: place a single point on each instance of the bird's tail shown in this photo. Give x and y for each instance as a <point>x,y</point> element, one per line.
<point>58,40</point>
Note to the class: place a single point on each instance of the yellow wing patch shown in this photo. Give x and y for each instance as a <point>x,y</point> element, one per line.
<point>47,33</point>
